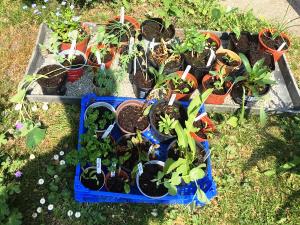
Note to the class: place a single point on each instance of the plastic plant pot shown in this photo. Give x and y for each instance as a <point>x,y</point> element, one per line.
<point>209,127</point>
<point>122,106</point>
<point>276,54</point>
<point>138,178</point>
<point>215,38</point>
<point>105,105</point>
<point>80,46</point>
<point>139,91</point>
<point>227,69</point>
<point>76,71</point>
<point>92,186</point>
<point>120,173</point>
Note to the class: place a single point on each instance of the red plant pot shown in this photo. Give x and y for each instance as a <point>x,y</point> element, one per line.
<point>80,46</point>
<point>215,38</point>
<point>213,98</point>
<point>96,65</point>
<point>210,127</point>
<point>189,77</point>
<point>131,20</point>
<point>276,54</point>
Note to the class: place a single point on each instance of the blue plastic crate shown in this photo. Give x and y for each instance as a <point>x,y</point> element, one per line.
<point>185,193</point>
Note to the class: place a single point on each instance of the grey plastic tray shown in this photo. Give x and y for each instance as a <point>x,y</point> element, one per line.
<point>283,97</point>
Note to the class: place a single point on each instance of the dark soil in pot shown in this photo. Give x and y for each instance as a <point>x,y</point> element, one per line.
<point>175,111</point>
<point>222,57</point>
<point>116,184</point>
<point>124,37</point>
<point>122,148</point>
<point>131,117</point>
<point>183,85</point>
<point>142,84</point>
<point>210,84</point>
<point>201,125</point>
<point>57,77</point>
<point>273,44</point>
<point>254,56</point>
<point>241,45</point>
<point>237,94</point>
<point>92,57</point>
<point>92,184</point>
<point>148,187</point>
<point>200,61</point>
<point>154,28</point>
<point>77,62</point>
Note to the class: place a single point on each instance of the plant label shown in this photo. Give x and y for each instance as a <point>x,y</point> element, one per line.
<point>107,132</point>
<point>200,116</point>
<point>113,173</point>
<point>98,163</point>
<point>281,46</point>
<point>122,15</point>
<point>134,66</point>
<point>140,168</point>
<point>206,155</point>
<point>131,42</point>
<point>102,66</point>
<point>186,71</point>
<point>172,99</point>
<point>98,57</point>
<point>211,58</point>
<point>151,45</point>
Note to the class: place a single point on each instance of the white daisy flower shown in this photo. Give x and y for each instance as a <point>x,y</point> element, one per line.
<point>50,207</point>
<point>61,153</point>
<point>33,5</point>
<point>39,209</point>
<point>36,11</point>
<point>18,107</point>
<point>57,13</point>
<point>34,108</point>
<point>41,181</point>
<point>72,7</point>
<point>45,105</point>
<point>43,7</point>
<point>32,157</point>
<point>70,213</point>
<point>154,214</point>
<point>34,215</point>
<point>77,214</point>
<point>76,18</point>
<point>42,201</point>
<point>46,1</point>
<point>25,7</point>
<point>55,176</point>
<point>63,3</point>
<point>62,162</point>
<point>56,157</point>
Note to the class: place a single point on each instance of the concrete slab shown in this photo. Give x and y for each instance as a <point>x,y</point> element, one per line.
<point>270,9</point>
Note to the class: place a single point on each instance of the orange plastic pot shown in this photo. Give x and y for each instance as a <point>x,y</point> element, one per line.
<point>227,69</point>
<point>96,65</point>
<point>209,127</point>
<point>213,98</point>
<point>80,46</point>
<point>276,54</point>
<point>121,173</point>
<point>131,20</point>
<point>215,38</point>
<point>189,77</point>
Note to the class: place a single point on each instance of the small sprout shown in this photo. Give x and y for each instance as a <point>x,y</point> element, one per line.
<point>41,181</point>
<point>43,201</point>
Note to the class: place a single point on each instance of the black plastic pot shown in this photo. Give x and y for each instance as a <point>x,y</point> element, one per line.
<point>233,43</point>
<point>91,184</point>
<point>161,32</point>
<point>157,134</point>
<point>55,84</point>
<point>198,71</point>
<point>237,94</point>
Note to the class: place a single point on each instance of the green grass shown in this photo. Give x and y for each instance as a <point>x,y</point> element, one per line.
<point>241,157</point>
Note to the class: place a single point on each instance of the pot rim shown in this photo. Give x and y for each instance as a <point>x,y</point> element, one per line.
<point>93,167</point>
<point>282,34</point>
<point>64,74</point>
<point>77,52</point>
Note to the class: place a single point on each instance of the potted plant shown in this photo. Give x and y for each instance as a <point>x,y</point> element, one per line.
<point>228,60</point>
<point>117,180</point>
<point>99,116</point>
<point>166,55</point>
<point>54,84</point>
<point>133,149</point>
<point>105,82</point>
<point>197,52</point>
<point>156,29</point>
<point>145,180</point>
<point>102,52</point>
<point>221,86</point>
<point>130,116</point>
<point>73,62</point>
<point>91,179</point>
<point>256,82</point>
<point>162,115</point>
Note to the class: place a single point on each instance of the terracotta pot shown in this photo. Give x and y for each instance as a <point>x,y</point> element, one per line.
<point>276,54</point>
<point>80,46</point>
<point>215,38</point>
<point>122,106</point>
<point>210,127</point>
<point>227,69</point>
<point>96,65</point>
<point>189,77</point>
<point>121,173</point>
<point>214,98</point>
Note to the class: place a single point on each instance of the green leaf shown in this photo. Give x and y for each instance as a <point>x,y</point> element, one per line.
<point>262,116</point>
<point>186,179</point>
<point>126,188</point>
<point>175,179</point>
<point>246,63</point>
<point>201,196</point>
<point>19,97</point>
<point>3,140</point>
<point>34,137</point>
<point>175,164</point>
<point>270,173</point>
<point>232,121</point>
<point>171,188</point>
<point>196,173</point>
<point>216,13</point>
<point>147,110</point>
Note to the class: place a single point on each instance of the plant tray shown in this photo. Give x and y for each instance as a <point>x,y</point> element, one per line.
<point>283,97</point>
<point>185,193</point>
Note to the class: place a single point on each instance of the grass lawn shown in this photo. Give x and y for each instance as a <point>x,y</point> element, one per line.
<point>249,162</point>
